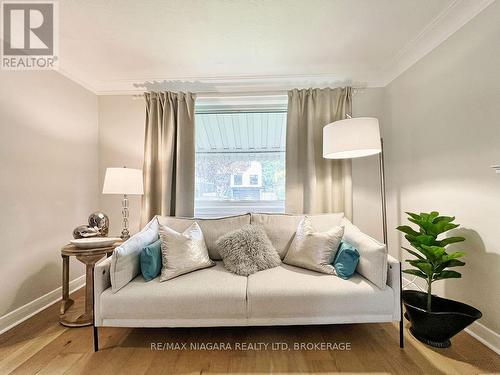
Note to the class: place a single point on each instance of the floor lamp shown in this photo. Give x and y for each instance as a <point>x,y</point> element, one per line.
<point>354,138</point>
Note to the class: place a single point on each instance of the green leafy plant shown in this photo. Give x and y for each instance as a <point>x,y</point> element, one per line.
<point>432,260</point>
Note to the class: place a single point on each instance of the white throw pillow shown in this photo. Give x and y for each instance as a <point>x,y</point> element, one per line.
<point>314,250</point>
<point>280,228</point>
<point>183,252</point>
<point>212,228</point>
<point>125,262</point>
<point>372,255</point>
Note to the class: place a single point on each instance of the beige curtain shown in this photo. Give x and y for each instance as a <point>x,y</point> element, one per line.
<point>314,184</point>
<point>169,155</point>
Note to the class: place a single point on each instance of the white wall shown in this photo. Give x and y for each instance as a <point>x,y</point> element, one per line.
<point>48,179</point>
<point>443,133</point>
<point>121,143</point>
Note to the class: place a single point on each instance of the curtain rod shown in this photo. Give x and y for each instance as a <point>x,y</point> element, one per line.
<point>213,94</point>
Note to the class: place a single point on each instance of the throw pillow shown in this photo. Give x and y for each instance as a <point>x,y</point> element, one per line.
<point>247,250</point>
<point>183,252</point>
<point>125,262</point>
<point>151,260</point>
<point>280,228</point>
<point>212,228</point>
<point>346,260</point>
<point>314,250</point>
<point>373,255</point>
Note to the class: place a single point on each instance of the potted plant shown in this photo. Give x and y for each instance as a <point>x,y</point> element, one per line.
<point>434,320</point>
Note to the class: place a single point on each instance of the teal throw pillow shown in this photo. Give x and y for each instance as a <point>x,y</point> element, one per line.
<point>151,260</point>
<point>346,260</point>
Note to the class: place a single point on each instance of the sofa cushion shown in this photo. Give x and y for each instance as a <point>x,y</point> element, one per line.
<point>212,228</point>
<point>125,262</point>
<point>280,228</point>
<point>210,293</point>
<point>291,292</point>
<point>372,254</point>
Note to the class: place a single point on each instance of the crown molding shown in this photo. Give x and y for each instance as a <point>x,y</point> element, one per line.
<point>85,84</point>
<point>445,24</point>
<point>441,27</point>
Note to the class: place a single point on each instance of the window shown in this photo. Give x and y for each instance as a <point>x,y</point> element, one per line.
<point>238,179</point>
<point>240,162</point>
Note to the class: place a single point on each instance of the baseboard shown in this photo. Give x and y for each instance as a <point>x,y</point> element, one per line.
<point>485,335</point>
<point>19,315</point>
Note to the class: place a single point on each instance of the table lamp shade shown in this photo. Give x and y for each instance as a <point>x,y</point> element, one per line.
<point>351,138</point>
<point>123,181</point>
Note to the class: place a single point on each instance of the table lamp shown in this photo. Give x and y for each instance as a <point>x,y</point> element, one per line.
<point>124,181</point>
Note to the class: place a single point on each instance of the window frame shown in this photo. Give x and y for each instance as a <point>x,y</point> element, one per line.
<point>243,104</point>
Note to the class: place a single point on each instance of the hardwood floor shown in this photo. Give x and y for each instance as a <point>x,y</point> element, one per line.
<point>42,346</point>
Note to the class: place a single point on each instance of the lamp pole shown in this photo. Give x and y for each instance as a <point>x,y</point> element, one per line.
<point>382,189</point>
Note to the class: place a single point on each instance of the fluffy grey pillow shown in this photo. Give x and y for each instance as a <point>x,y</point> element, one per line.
<point>247,250</point>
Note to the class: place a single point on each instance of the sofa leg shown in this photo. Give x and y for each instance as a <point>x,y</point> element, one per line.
<point>96,339</point>
<point>401,337</point>
<point>94,328</point>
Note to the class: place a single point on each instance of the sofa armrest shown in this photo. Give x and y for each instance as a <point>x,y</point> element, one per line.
<point>102,281</point>
<point>394,281</point>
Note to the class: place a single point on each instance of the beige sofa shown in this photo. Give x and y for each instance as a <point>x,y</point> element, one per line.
<point>285,295</point>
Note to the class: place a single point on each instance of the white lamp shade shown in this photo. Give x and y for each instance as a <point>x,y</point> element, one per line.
<point>123,181</point>
<point>351,138</point>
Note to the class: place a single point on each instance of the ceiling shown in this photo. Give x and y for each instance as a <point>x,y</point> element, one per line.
<point>126,46</point>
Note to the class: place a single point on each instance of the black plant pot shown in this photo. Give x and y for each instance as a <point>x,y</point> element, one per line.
<point>437,327</point>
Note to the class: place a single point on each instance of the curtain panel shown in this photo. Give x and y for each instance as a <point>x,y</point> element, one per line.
<point>169,155</point>
<point>314,184</point>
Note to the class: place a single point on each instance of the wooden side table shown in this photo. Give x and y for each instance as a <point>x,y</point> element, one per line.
<point>89,257</point>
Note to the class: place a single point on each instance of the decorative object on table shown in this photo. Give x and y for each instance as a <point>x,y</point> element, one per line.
<point>84,231</point>
<point>124,181</point>
<point>89,257</point>
<point>434,320</point>
<point>100,221</point>
<point>98,227</point>
<point>247,250</point>
<point>359,137</point>
<point>95,242</point>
